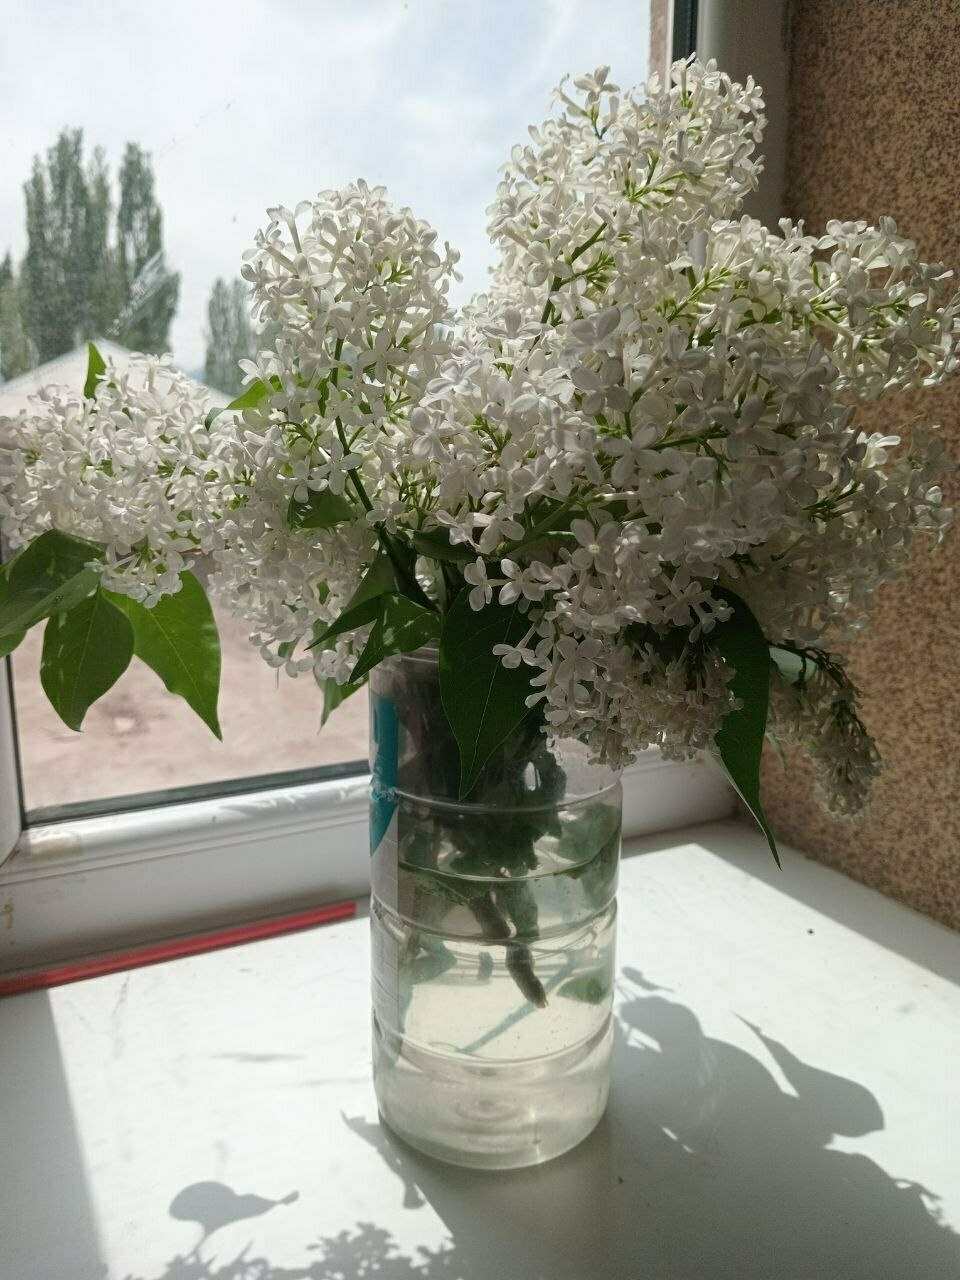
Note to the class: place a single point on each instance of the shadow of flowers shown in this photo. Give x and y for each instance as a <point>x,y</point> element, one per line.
<point>364,1251</point>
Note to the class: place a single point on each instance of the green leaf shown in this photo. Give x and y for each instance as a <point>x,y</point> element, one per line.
<point>403,559</point>
<point>248,399</point>
<point>591,835</point>
<point>9,642</point>
<point>380,577</point>
<point>320,511</point>
<point>49,576</point>
<point>85,652</point>
<point>400,627</point>
<point>178,639</point>
<point>436,546</point>
<point>588,988</point>
<point>558,519</point>
<point>96,368</point>
<point>335,694</point>
<point>427,967</point>
<point>484,701</point>
<point>359,616</point>
<point>362,606</point>
<point>739,741</point>
<point>6,566</point>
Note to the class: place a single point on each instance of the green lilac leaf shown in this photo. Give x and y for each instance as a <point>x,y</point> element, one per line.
<point>49,576</point>
<point>592,836</point>
<point>248,399</point>
<point>436,546</point>
<point>178,639</point>
<point>351,618</point>
<point>320,511</point>
<point>557,520</point>
<point>483,700</point>
<point>403,560</point>
<point>400,627</point>
<point>380,577</point>
<point>334,694</point>
<point>588,988</point>
<point>96,368</point>
<point>85,652</point>
<point>739,741</point>
<point>9,642</point>
<point>6,566</point>
<point>362,607</point>
<point>431,964</point>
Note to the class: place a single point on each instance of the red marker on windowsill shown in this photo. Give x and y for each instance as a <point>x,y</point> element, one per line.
<point>176,949</point>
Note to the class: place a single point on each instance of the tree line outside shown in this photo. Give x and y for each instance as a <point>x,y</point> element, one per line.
<point>95,267</point>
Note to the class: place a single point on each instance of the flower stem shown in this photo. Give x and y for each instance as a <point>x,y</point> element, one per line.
<point>519,961</point>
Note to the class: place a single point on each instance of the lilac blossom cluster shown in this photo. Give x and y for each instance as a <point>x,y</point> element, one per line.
<point>655,403</point>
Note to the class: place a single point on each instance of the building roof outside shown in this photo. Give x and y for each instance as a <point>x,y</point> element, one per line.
<point>70,370</point>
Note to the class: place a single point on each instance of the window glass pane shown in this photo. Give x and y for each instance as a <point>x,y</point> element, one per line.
<point>138,738</point>
<point>174,127</point>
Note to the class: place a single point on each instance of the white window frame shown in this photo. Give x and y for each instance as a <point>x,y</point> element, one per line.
<point>752,38</point>
<point>11,815</point>
<point>91,885</point>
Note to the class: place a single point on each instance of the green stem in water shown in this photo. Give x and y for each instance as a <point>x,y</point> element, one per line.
<point>519,961</point>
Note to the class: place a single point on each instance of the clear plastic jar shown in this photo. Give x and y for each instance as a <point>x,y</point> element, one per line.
<point>493,932</point>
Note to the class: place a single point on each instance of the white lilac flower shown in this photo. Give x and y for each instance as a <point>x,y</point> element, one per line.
<point>333,472</point>
<point>133,468</point>
<point>475,575</point>
<point>524,583</point>
<point>598,547</point>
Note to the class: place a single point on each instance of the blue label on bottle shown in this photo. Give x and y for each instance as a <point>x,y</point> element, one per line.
<point>386,742</point>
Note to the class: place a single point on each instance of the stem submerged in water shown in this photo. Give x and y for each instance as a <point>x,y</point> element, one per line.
<point>496,931</point>
<point>477,855</point>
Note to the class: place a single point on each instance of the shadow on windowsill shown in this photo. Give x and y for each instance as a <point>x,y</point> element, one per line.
<point>703,1167</point>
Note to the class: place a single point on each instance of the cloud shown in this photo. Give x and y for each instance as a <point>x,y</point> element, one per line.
<point>248,104</point>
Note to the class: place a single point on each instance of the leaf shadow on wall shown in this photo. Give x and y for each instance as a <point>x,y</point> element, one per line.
<point>703,1166</point>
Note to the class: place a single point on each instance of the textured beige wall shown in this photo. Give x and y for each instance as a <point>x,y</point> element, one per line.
<point>875,128</point>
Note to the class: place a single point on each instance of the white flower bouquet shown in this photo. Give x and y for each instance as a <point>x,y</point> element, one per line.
<point>625,489</point>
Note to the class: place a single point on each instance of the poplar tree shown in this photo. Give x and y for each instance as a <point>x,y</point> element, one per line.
<point>230,335</point>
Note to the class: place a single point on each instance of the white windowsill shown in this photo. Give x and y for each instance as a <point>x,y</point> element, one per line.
<point>783,1092</point>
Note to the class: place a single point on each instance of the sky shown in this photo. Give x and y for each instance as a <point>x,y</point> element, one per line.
<point>249,104</point>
